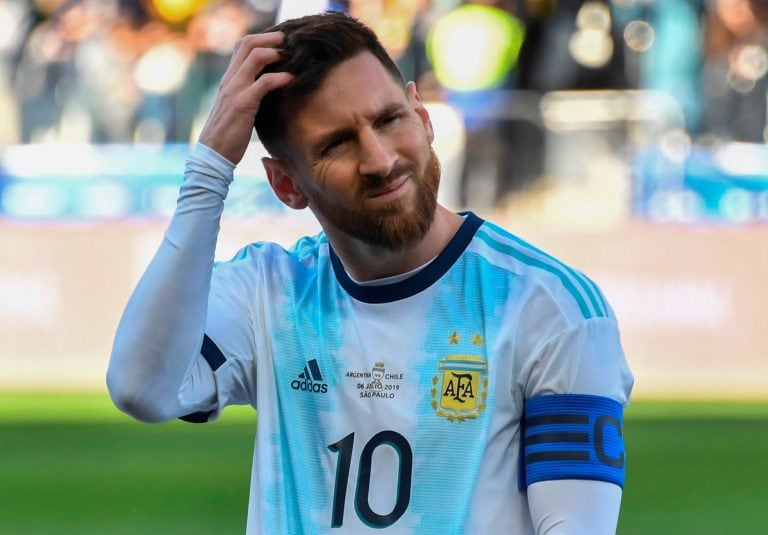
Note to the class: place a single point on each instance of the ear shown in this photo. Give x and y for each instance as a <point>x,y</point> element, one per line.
<point>418,105</point>
<point>283,183</point>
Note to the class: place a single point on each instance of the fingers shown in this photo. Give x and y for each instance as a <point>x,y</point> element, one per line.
<point>256,61</point>
<point>266,83</point>
<point>246,45</point>
<point>250,71</point>
<point>243,87</point>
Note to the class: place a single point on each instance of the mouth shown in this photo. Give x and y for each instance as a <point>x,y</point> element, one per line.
<point>390,190</point>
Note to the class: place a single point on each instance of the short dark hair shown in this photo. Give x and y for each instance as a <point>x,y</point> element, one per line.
<point>312,46</point>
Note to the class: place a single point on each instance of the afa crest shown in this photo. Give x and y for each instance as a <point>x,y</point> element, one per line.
<point>460,388</point>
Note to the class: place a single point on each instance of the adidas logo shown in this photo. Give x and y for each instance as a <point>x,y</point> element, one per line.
<point>310,380</point>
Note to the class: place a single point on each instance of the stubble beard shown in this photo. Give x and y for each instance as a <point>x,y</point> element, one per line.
<point>391,226</point>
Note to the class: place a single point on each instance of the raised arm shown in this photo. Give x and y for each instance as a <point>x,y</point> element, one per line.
<point>161,331</point>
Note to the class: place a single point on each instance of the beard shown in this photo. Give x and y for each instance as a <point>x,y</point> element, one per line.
<point>392,226</point>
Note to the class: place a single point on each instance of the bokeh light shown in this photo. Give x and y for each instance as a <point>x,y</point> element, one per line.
<point>163,69</point>
<point>473,47</point>
<point>639,35</point>
<point>178,10</point>
<point>591,44</point>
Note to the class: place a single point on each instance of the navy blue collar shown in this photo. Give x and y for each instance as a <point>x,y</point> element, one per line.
<point>420,281</point>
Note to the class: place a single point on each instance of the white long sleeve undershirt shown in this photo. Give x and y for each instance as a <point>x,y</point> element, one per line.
<point>159,336</point>
<point>574,507</point>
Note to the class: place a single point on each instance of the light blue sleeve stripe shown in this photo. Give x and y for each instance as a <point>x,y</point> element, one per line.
<point>599,295</point>
<point>529,260</point>
<point>600,312</point>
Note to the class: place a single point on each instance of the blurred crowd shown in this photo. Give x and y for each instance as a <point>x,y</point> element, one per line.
<point>145,71</point>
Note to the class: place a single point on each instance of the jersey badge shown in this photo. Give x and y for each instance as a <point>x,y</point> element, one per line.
<point>460,387</point>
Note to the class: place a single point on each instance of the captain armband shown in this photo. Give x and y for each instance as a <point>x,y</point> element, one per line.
<point>572,436</point>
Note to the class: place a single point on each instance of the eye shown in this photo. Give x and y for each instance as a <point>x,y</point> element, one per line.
<point>389,119</point>
<point>333,145</point>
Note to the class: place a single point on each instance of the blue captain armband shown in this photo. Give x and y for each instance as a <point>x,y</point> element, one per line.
<point>572,436</point>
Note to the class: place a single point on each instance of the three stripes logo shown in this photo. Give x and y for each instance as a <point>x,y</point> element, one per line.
<point>310,380</point>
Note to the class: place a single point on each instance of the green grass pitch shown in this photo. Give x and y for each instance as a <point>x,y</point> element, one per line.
<point>72,464</point>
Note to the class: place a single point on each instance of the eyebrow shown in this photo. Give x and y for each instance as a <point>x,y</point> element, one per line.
<point>345,133</point>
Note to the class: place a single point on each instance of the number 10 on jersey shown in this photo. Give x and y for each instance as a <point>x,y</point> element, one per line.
<point>362,503</point>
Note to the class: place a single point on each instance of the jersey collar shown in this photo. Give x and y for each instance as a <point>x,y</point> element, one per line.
<point>422,280</point>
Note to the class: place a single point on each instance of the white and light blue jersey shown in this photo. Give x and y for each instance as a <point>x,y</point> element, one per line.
<point>423,406</point>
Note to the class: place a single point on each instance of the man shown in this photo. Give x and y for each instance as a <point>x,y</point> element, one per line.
<point>414,369</point>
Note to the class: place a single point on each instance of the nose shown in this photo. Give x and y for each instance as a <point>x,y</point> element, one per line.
<point>377,156</point>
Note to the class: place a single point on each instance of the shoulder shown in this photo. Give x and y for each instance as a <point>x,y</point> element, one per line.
<point>268,257</point>
<point>542,281</point>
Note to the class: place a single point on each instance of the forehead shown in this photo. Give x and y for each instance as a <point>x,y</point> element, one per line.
<point>352,93</point>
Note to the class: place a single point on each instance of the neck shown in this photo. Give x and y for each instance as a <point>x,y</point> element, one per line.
<point>364,261</point>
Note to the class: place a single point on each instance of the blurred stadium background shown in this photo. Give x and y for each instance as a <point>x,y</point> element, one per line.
<point>627,137</point>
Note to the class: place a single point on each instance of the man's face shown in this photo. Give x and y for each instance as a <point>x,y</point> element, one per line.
<point>364,160</point>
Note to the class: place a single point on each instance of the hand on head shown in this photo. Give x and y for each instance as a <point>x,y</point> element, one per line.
<point>243,87</point>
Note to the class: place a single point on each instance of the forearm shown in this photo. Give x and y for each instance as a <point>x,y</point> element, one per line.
<point>162,326</point>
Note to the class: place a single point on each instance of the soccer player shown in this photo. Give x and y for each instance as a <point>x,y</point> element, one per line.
<point>414,369</point>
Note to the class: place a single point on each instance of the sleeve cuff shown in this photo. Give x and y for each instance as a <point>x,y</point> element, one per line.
<point>207,162</point>
<point>209,155</point>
